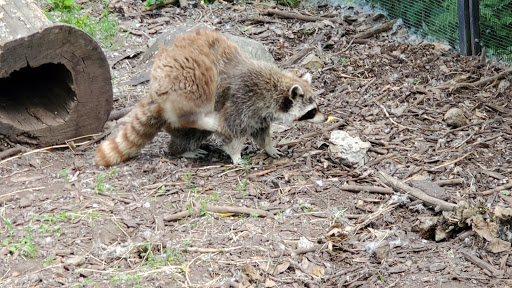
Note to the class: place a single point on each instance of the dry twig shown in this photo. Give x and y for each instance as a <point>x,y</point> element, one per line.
<point>312,134</point>
<point>13,151</point>
<point>371,189</point>
<point>196,210</point>
<point>400,186</point>
<point>481,263</point>
<point>453,161</point>
<point>376,30</point>
<point>298,16</point>
<point>497,189</point>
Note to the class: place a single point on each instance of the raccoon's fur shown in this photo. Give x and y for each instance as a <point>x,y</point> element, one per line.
<point>205,85</point>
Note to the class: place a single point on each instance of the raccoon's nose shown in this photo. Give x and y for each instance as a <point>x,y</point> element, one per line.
<point>313,116</point>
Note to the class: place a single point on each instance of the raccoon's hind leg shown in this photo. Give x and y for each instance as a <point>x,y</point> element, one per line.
<point>185,142</point>
<point>233,147</point>
<point>264,140</point>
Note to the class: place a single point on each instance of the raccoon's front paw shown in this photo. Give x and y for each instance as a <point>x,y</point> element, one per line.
<point>196,154</point>
<point>237,161</point>
<point>274,152</point>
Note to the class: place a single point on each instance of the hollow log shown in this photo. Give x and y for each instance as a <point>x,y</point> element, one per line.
<point>55,81</point>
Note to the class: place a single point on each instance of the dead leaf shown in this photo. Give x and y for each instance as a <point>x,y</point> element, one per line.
<point>502,212</point>
<point>269,283</point>
<point>334,230</point>
<point>251,272</point>
<point>497,245</point>
<point>313,62</point>
<point>486,230</point>
<point>281,267</point>
<point>318,272</point>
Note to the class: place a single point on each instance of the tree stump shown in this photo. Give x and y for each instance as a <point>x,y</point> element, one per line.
<point>55,81</point>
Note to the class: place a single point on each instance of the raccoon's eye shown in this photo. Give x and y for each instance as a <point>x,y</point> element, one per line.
<point>295,91</point>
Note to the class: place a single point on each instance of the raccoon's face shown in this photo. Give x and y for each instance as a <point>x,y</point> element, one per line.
<point>299,104</point>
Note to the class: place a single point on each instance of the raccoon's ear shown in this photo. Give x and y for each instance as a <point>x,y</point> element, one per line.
<point>295,91</point>
<point>307,77</point>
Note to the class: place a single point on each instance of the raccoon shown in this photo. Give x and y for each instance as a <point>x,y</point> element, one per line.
<point>204,85</point>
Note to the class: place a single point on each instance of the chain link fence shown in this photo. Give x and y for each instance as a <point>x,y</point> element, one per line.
<point>438,19</point>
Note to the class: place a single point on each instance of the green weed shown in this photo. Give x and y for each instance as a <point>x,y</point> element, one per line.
<point>215,196</point>
<point>101,186</point>
<point>153,2</point>
<point>291,3</point>
<point>103,29</point>
<point>241,188</point>
<point>155,260</point>
<point>26,245</point>
<point>306,207</point>
<point>64,174</point>
<point>122,280</point>
<point>187,177</point>
<point>48,262</point>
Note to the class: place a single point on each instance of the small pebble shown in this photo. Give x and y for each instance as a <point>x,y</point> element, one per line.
<point>455,118</point>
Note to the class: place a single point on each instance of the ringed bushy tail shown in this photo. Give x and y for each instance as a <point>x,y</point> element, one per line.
<point>144,124</point>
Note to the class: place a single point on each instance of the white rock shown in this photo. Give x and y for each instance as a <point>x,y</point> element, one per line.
<point>348,150</point>
<point>455,118</point>
<point>304,243</point>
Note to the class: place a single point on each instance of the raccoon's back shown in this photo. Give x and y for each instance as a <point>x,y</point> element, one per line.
<point>213,45</point>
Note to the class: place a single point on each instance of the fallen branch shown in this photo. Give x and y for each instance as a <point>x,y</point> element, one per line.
<point>453,161</point>
<point>197,210</point>
<point>312,134</point>
<point>295,58</point>
<point>371,189</point>
<point>22,190</point>
<point>478,84</point>
<point>497,189</point>
<point>264,172</point>
<point>298,16</point>
<point>391,119</point>
<point>210,250</point>
<point>380,159</point>
<point>482,264</point>
<point>376,30</point>
<point>449,182</point>
<point>483,82</point>
<point>400,186</point>
<point>117,114</point>
<point>304,250</point>
<point>13,151</point>
<point>374,215</point>
<point>238,210</point>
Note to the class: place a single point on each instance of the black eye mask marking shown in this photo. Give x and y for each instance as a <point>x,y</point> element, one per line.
<point>286,105</point>
<point>309,115</point>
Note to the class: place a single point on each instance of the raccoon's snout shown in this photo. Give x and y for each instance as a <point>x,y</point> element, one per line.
<point>313,116</point>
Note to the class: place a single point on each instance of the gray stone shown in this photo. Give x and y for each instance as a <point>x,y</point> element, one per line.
<point>26,201</point>
<point>347,150</point>
<point>503,86</point>
<point>426,226</point>
<point>437,267</point>
<point>251,48</point>
<point>455,118</point>
<point>75,261</point>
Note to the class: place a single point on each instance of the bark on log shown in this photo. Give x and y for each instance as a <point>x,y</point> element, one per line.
<point>55,81</point>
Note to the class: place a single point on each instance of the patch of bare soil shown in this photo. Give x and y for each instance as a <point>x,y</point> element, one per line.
<point>303,220</point>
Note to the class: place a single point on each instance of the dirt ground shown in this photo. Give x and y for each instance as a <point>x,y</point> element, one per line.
<point>68,223</point>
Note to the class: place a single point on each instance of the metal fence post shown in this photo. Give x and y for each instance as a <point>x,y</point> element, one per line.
<point>474,23</point>
<point>464,30</point>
